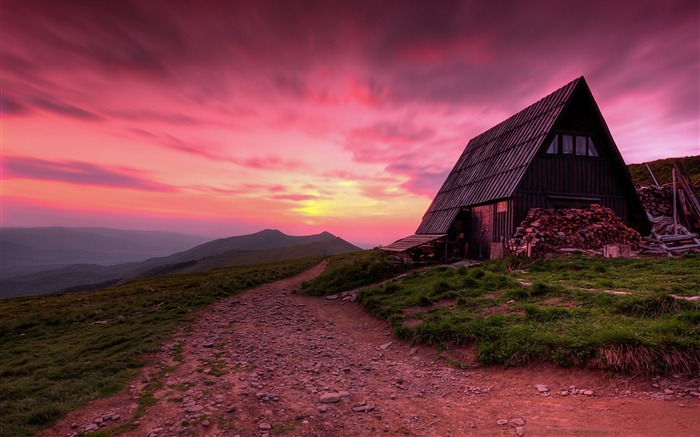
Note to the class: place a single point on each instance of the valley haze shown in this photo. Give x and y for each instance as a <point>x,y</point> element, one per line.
<point>44,260</point>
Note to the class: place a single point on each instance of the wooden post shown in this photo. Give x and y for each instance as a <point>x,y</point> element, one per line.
<point>675,212</point>
<point>656,183</point>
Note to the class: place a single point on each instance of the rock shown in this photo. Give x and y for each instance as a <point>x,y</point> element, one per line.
<point>322,408</point>
<point>520,431</point>
<point>195,409</point>
<point>518,421</point>
<point>668,391</point>
<point>264,426</point>
<point>332,297</point>
<point>74,425</point>
<point>502,422</point>
<point>344,394</point>
<point>565,393</point>
<point>230,409</point>
<point>330,398</point>
<point>542,388</point>
<point>91,427</point>
<point>205,423</point>
<point>385,346</point>
<point>363,408</point>
<point>587,392</point>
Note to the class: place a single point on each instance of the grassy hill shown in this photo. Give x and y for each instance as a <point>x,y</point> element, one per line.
<point>323,249</point>
<point>662,170</point>
<point>60,351</point>
<point>259,248</point>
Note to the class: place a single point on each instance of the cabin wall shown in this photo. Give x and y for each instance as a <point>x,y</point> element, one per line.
<point>570,182</point>
<point>504,224</point>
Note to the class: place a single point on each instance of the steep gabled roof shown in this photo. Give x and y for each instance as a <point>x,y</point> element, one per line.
<point>493,163</point>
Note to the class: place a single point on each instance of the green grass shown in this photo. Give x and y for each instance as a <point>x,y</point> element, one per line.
<point>352,270</point>
<point>680,277</point>
<point>564,316</point>
<point>61,351</point>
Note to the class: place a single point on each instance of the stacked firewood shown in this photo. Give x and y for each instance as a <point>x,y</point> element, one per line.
<point>549,230</point>
<point>657,200</point>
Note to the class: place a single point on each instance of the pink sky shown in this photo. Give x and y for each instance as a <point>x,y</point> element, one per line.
<point>224,118</point>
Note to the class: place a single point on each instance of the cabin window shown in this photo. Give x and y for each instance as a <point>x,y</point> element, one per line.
<point>567,144</point>
<point>502,206</point>
<point>591,148</point>
<point>578,145</point>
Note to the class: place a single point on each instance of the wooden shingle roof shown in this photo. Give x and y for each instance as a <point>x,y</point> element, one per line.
<point>493,163</point>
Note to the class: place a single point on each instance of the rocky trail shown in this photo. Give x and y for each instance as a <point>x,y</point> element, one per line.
<point>270,362</point>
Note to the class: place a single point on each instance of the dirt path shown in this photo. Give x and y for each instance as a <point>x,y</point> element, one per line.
<point>267,358</point>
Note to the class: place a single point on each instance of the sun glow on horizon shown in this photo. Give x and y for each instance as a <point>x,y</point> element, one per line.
<point>334,120</point>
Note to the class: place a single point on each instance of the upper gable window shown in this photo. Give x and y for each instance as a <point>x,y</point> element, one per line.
<point>578,145</point>
<point>591,148</point>
<point>567,144</point>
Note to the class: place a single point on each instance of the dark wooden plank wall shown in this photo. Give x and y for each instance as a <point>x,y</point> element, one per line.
<point>570,176</point>
<point>503,222</point>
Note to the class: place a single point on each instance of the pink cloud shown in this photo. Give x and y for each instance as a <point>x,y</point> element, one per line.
<point>245,99</point>
<point>80,173</point>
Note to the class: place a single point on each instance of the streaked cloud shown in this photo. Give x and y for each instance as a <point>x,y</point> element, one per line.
<point>80,173</point>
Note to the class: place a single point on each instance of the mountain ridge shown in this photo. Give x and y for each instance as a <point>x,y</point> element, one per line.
<point>264,246</point>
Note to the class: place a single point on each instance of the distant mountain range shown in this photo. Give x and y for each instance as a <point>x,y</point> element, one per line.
<point>26,250</point>
<point>70,261</point>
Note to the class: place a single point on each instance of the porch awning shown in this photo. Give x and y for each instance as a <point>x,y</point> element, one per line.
<point>411,241</point>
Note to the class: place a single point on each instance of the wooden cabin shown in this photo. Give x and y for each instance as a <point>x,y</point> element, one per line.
<point>556,153</point>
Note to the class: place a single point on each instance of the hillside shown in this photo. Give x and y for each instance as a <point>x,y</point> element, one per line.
<point>333,246</point>
<point>265,239</point>
<point>262,247</point>
<point>27,250</point>
<point>662,170</point>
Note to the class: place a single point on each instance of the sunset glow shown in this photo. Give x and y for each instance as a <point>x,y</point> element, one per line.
<point>224,118</point>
